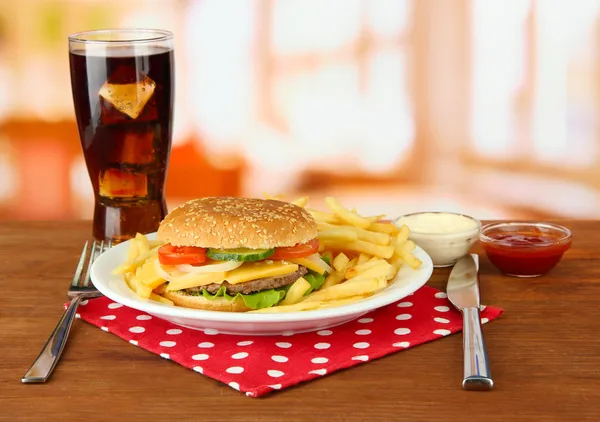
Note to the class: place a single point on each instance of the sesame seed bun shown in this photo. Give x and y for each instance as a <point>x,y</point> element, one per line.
<point>228,223</point>
<point>200,302</point>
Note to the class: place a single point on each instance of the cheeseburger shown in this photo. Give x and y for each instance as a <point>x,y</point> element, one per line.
<point>237,254</point>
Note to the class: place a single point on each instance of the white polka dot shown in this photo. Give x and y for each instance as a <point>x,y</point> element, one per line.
<point>275,386</point>
<point>143,317</point>
<point>322,346</point>
<point>174,331</point>
<point>363,332</point>
<point>108,317</point>
<point>401,344</point>
<point>137,330</point>
<point>165,356</point>
<point>442,308</point>
<point>104,329</point>
<point>206,345</point>
<point>198,369</point>
<point>287,333</point>
<point>361,345</point>
<point>234,370</point>
<point>275,373</point>
<point>134,342</point>
<point>441,332</point>
<point>244,343</point>
<point>403,317</point>
<point>114,305</point>
<point>441,320</point>
<point>234,385</point>
<point>240,355</point>
<point>201,356</point>
<point>365,320</point>
<point>402,331</point>
<point>405,304</point>
<point>77,315</point>
<point>318,371</point>
<point>211,331</point>
<point>362,358</point>
<point>249,394</point>
<point>441,295</point>
<point>484,320</point>
<point>84,302</point>
<point>325,332</point>
<point>283,344</point>
<point>482,308</point>
<point>167,343</point>
<point>319,360</point>
<point>279,358</point>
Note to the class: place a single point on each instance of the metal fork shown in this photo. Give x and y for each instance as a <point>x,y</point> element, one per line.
<point>80,289</point>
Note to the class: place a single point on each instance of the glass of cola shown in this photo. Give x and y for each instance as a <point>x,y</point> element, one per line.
<point>123,91</point>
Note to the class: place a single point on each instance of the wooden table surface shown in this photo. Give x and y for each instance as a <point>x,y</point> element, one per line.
<point>544,353</point>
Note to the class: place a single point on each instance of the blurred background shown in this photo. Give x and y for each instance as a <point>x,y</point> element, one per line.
<point>480,106</point>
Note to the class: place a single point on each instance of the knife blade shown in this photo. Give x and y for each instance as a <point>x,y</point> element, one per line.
<point>463,292</point>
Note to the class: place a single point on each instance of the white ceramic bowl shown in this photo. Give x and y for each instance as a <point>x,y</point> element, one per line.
<point>114,287</point>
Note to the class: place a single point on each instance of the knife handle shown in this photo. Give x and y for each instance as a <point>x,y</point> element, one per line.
<point>477,371</point>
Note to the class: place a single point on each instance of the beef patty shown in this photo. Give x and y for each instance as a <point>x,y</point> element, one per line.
<point>251,286</point>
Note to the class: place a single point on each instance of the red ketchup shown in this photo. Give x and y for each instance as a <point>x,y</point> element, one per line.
<point>525,249</point>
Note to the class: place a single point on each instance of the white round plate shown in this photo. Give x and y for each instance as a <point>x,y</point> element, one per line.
<point>114,287</point>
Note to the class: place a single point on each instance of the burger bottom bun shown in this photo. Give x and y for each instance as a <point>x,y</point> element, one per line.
<point>200,302</point>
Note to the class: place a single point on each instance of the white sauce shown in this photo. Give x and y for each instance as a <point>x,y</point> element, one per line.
<point>438,223</point>
<point>446,237</point>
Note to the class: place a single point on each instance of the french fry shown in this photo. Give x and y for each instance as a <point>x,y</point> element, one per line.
<point>155,243</point>
<point>158,298</point>
<point>333,279</point>
<point>387,228</point>
<point>136,285</point>
<point>396,262</point>
<point>362,246</point>
<point>160,289</point>
<point>346,215</point>
<point>359,269</point>
<point>127,266</point>
<point>341,235</point>
<point>142,242</point>
<point>406,255</point>
<point>362,234</point>
<point>296,292</point>
<point>133,252</point>
<point>340,262</point>
<point>344,290</point>
<point>362,258</point>
<point>309,306</point>
<point>403,234</point>
<point>301,202</point>
<point>149,276</point>
<point>381,270</point>
<point>324,217</point>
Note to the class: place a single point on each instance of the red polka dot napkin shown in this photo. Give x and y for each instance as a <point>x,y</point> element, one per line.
<point>258,365</point>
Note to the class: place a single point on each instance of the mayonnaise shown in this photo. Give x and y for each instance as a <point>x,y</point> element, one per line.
<point>446,237</point>
<point>438,223</point>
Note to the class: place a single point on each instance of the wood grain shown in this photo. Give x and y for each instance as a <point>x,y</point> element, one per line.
<point>544,353</point>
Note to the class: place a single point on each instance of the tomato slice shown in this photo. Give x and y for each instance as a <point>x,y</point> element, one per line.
<point>298,251</point>
<point>177,255</point>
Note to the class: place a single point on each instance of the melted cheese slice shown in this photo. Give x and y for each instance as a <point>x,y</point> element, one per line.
<point>195,280</point>
<point>261,269</point>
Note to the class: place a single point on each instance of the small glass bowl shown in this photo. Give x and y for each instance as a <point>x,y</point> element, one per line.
<point>444,248</point>
<point>522,249</point>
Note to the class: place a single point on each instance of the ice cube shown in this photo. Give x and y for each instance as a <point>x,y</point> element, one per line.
<point>129,98</point>
<point>115,183</point>
<point>131,147</point>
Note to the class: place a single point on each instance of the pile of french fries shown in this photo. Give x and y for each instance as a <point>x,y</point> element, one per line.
<point>365,253</point>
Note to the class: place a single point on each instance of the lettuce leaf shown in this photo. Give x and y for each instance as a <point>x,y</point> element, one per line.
<point>258,300</point>
<point>315,280</point>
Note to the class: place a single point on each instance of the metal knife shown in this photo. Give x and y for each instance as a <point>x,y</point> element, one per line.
<point>463,292</point>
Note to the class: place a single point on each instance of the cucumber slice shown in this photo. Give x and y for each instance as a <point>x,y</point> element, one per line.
<point>239,254</point>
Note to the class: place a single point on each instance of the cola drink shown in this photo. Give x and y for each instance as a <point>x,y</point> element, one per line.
<point>123,96</point>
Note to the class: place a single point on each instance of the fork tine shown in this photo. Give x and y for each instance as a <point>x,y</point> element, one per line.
<point>79,269</point>
<point>94,251</point>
